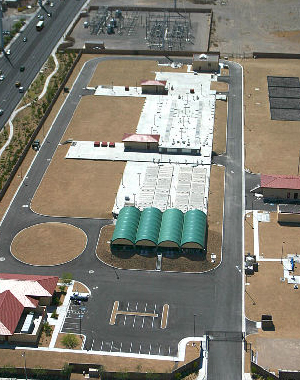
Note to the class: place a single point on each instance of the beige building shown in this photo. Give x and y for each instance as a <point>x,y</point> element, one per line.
<point>280,187</point>
<point>154,87</point>
<point>206,62</point>
<point>137,142</point>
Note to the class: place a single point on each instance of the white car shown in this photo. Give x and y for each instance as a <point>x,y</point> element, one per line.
<point>2,77</point>
<point>1,112</point>
<point>51,5</point>
<point>7,52</point>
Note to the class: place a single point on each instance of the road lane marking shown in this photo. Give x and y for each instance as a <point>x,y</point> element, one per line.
<point>164,317</point>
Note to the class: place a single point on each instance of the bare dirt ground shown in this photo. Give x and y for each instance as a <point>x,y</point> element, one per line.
<point>79,287</point>
<point>110,363</point>
<point>271,146</point>
<point>59,344</point>
<point>266,294</point>
<point>56,243</point>
<point>220,124</point>
<point>248,237</point>
<point>112,73</point>
<point>45,340</point>
<point>275,239</point>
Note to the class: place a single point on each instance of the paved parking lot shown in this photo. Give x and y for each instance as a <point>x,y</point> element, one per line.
<point>74,315</point>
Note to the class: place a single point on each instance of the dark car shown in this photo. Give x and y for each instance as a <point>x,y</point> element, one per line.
<point>78,297</point>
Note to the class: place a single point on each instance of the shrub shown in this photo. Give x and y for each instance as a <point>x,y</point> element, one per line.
<point>47,329</point>
<point>54,315</point>
<point>67,278</point>
<point>70,341</point>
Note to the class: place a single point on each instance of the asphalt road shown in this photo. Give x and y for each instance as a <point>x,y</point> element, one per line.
<point>198,302</point>
<point>33,53</point>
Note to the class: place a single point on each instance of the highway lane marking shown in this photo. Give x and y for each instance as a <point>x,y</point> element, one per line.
<point>164,317</point>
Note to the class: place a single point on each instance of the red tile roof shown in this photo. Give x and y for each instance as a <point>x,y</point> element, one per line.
<point>20,295</point>
<point>153,83</point>
<point>280,181</point>
<point>47,282</point>
<point>10,312</point>
<point>135,137</point>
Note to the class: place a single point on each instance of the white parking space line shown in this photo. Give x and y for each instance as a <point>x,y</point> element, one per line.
<point>144,317</point>
<point>140,348</point>
<point>101,346</point>
<point>169,350</point>
<point>150,349</point>
<point>153,317</point>
<point>121,346</point>
<point>126,315</point>
<point>136,307</point>
<point>159,350</point>
<point>111,345</point>
<point>130,347</point>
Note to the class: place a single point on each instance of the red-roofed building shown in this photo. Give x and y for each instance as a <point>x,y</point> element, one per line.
<point>22,305</point>
<point>154,87</point>
<point>280,187</point>
<point>135,141</point>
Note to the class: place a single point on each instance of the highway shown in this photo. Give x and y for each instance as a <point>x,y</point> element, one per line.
<point>33,53</point>
<point>209,302</point>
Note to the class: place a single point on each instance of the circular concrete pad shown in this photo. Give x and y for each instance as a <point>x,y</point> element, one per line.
<point>48,244</point>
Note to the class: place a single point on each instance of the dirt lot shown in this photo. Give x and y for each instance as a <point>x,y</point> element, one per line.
<point>79,287</point>
<point>112,73</point>
<point>110,363</point>
<point>248,226</point>
<point>187,263</point>
<point>273,238</point>
<point>265,138</point>
<point>56,243</point>
<point>59,344</point>
<point>285,308</point>
<point>220,124</point>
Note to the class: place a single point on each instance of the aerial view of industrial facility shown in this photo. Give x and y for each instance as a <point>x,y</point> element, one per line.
<point>149,226</point>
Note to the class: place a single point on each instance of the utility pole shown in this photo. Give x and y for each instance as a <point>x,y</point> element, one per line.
<point>25,370</point>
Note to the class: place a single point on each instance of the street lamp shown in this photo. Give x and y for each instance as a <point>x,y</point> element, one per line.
<point>282,251</point>
<point>24,356</point>
<point>81,311</point>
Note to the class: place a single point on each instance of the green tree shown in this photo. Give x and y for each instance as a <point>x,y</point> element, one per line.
<point>70,341</point>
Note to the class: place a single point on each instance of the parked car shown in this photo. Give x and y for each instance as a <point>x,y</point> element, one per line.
<point>2,77</point>
<point>7,52</point>
<point>24,39</point>
<point>79,297</point>
<point>21,90</point>
<point>22,68</point>
<point>1,112</point>
<point>18,84</point>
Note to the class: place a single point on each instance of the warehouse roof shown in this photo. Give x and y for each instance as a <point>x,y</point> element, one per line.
<point>135,137</point>
<point>280,181</point>
<point>194,228</point>
<point>127,224</point>
<point>171,226</point>
<point>149,225</point>
<point>153,83</point>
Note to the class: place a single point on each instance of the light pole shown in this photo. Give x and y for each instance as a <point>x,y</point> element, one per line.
<point>282,251</point>
<point>25,370</point>
<point>194,325</point>
<point>81,311</point>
